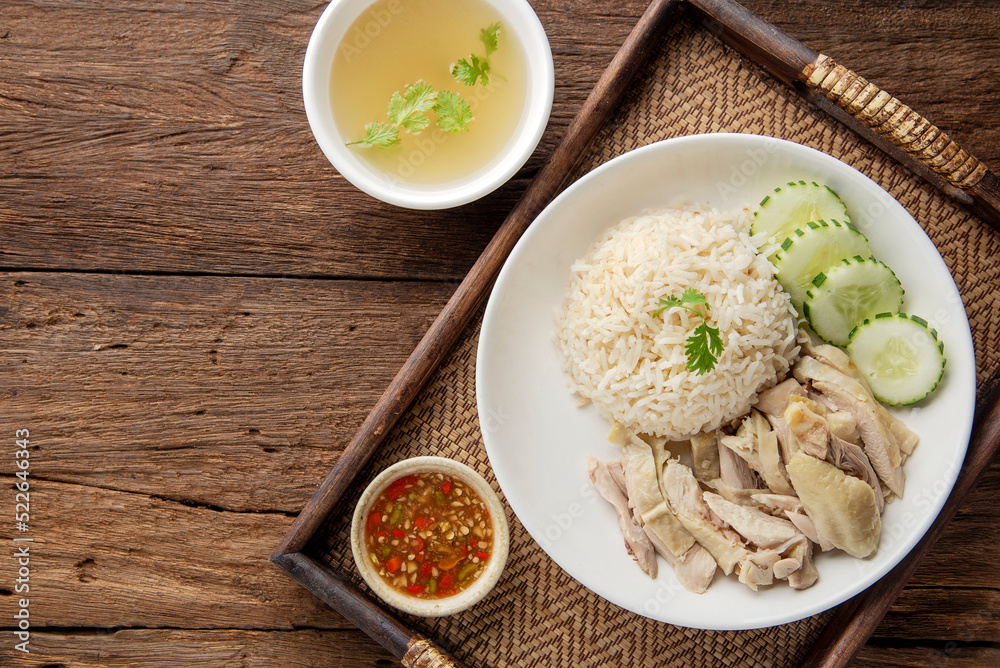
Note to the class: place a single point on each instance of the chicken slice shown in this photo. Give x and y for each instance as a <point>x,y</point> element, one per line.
<point>642,487</point>
<point>735,455</point>
<point>843,425</point>
<point>757,444</point>
<point>617,474</point>
<point>839,360</point>
<point>763,530</point>
<point>666,532</point>
<point>685,498</point>
<point>772,469</point>
<point>835,357</point>
<point>805,524</point>
<point>741,496</point>
<point>873,421</point>
<point>785,567</point>
<point>905,436</point>
<point>806,575</point>
<point>779,502</point>
<point>636,541</point>
<point>842,507</point>
<point>808,430</point>
<point>695,569</point>
<point>693,566</point>
<point>792,508</point>
<point>661,450</point>
<point>724,546</point>
<point>852,460</point>
<point>757,568</point>
<point>772,403</point>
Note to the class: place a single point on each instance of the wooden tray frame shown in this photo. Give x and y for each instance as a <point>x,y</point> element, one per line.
<point>873,114</point>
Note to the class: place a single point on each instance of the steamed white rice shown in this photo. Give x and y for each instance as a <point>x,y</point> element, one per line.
<point>633,366</point>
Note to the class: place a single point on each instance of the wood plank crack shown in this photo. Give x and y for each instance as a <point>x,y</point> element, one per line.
<point>188,503</point>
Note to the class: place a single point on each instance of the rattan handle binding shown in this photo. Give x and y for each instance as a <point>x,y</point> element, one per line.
<point>422,653</point>
<point>895,122</point>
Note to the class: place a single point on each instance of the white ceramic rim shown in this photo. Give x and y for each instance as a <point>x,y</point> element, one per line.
<point>557,509</point>
<point>486,580</point>
<point>326,36</point>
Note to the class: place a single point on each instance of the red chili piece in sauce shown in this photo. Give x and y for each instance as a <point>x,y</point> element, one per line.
<point>433,521</point>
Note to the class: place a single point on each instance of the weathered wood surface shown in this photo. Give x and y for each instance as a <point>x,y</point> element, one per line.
<point>237,648</point>
<point>176,330</point>
<point>192,115</point>
<point>111,559</point>
<point>236,393</point>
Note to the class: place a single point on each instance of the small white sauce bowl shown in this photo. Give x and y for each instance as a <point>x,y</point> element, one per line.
<point>480,586</point>
<point>337,18</point>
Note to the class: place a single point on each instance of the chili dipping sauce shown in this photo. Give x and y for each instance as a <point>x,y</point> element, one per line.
<point>429,535</point>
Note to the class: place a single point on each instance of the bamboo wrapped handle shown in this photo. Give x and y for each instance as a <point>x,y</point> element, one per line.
<point>895,122</point>
<point>422,653</point>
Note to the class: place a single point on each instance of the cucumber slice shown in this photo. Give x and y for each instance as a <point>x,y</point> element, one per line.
<point>900,357</point>
<point>849,293</point>
<point>793,206</point>
<point>811,250</point>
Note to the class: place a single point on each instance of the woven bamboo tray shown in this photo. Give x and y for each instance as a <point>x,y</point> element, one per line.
<point>682,71</point>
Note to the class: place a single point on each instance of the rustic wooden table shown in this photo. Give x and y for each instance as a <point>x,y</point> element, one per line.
<point>197,312</point>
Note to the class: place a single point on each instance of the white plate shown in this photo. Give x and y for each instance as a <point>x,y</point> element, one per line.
<point>538,440</point>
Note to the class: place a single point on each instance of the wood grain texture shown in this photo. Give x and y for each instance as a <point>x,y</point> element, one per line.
<point>110,559</point>
<point>229,648</point>
<point>948,655</point>
<point>192,116</point>
<point>237,393</point>
<point>927,612</point>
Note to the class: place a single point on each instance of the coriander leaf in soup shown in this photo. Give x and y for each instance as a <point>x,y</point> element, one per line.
<point>488,36</point>
<point>467,71</point>
<point>409,110</point>
<point>453,112</point>
<point>378,134</point>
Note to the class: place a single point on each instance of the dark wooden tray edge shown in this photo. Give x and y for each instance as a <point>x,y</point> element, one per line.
<point>792,63</point>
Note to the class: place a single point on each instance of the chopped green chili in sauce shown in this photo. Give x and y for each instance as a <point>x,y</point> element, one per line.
<point>429,535</point>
